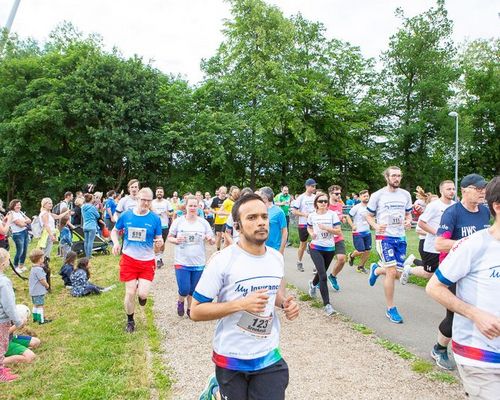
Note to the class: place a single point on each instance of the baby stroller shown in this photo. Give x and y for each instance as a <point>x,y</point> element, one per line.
<point>100,245</point>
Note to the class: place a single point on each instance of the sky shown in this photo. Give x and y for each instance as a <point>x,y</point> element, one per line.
<point>174,35</point>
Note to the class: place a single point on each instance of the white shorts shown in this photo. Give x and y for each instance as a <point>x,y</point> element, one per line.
<point>480,383</point>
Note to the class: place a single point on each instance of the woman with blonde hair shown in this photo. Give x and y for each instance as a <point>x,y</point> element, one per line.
<point>47,221</point>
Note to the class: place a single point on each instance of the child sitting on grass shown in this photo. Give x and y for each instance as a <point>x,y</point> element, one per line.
<point>20,348</point>
<point>8,313</point>
<point>38,286</point>
<point>65,237</point>
<point>80,280</point>
<point>67,268</point>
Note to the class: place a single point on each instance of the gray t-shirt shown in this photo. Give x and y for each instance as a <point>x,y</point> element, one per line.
<point>36,288</point>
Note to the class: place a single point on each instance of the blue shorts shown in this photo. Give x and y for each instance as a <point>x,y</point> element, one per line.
<point>38,300</point>
<point>362,242</point>
<point>392,251</point>
<point>187,279</point>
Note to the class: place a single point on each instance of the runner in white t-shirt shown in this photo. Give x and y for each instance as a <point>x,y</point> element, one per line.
<point>473,264</point>
<point>322,225</point>
<point>189,233</point>
<point>361,234</point>
<point>128,202</point>
<point>392,207</point>
<point>302,207</point>
<point>162,207</point>
<point>247,280</point>
<point>429,222</point>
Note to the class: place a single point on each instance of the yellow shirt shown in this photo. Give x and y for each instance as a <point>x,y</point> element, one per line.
<point>227,206</point>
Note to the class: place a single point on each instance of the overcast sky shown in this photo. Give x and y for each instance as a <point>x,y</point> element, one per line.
<point>177,34</point>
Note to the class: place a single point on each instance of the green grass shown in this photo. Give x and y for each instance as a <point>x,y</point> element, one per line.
<point>362,329</point>
<point>85,353</point>
<point>422,366</point>
<point>445,377</point>
<point>396,349</point>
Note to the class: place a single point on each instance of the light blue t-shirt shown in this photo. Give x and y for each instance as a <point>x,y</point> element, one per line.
<point>90,216</point>
<point>139,233</point>
<point>277,221</point>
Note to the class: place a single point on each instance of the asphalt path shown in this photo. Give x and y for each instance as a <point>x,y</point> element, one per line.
<point>366,305</point>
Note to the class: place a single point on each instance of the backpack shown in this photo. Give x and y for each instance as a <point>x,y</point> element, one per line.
<point>57,208</point>
<point>36,226</point>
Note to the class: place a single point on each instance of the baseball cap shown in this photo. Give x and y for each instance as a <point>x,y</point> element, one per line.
<point>310,182</point>
<point>473,180</point>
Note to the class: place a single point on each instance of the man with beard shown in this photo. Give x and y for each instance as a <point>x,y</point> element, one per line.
<point>247,280</point>
<point>162,207</point>
<point>392,207</point>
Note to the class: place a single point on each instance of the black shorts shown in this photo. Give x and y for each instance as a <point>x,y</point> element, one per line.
<point>265,384</point>
<point>303,234</point>
<point>220,228</point>
<point>430,261</point>
<point>340,247</point>
<point>164,233</point>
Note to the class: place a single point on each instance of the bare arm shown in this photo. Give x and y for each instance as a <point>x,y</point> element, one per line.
<point>487,323</point>
<point>349,221</point>
<point>284,237</point>
<point>443,245</point>
<point>287,303</point>
<point>426,227</point>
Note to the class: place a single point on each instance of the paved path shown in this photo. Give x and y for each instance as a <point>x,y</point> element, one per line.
<point>366,305</point>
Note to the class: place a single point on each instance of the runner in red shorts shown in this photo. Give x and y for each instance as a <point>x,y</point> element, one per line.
<point>141,234</point>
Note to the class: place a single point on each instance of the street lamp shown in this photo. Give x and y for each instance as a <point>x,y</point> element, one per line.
<point>455,115</point>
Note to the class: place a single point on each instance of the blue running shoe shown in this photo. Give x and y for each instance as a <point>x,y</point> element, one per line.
<point>393,315</point>
<point>208,393</point>
<point>333,282</point>
<point>373,277</point>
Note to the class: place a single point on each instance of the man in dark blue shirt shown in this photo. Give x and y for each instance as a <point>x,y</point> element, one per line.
<point>460,220</point>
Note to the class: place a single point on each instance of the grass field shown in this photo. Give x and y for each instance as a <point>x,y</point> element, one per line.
<point>412,247</point>
<point>85,353</point>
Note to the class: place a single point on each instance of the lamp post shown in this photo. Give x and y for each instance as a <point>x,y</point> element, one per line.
<point>455,115</point>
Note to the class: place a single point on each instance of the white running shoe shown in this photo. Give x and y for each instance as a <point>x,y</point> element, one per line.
<point>405,275</point>
<point>312,289</point>
<point>329,310</point>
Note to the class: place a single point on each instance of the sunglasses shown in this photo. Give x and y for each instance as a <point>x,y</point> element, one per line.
<point>336,193</point>
<point>323,201</point>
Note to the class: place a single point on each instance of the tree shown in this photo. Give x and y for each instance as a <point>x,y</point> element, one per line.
<point>419,72</point>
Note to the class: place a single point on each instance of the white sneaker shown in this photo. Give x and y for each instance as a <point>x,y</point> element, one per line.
<point>329,310</point>
<point>19,270</point>
<point>409,260</point>
<point>300,266</point>
<point>107,289</point>
<point>405,275</point>
<point>312,289</point>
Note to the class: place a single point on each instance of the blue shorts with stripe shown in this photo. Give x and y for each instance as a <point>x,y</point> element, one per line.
<point>391,250</point>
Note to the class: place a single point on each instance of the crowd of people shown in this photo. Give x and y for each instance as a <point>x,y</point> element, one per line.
<point>250,231</point>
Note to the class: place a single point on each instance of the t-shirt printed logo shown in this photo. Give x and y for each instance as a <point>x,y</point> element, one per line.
<point>495,273</point>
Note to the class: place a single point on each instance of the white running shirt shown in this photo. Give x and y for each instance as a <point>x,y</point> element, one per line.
<point>191,253</point>
<point>324,239</point>
<point>474,265</point>
<point>358,214</point>
<point>230,275</point>
<point>304,204</point>
<point>162,208</point>
<point>432,216</point>
<point>390,208</point>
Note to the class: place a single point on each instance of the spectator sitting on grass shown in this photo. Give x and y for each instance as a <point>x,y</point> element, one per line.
<point>80,280</point>
<point>67,268</point>
<point>20,348</point>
